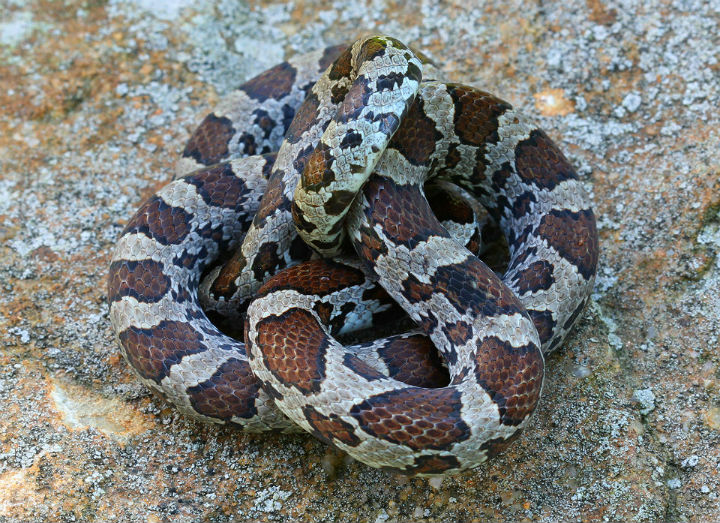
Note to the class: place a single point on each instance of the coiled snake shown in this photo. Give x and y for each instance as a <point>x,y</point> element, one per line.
<point>362,134</point>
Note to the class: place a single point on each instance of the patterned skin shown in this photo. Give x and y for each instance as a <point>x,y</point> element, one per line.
<point>389,403</point>
<point>489,331</point>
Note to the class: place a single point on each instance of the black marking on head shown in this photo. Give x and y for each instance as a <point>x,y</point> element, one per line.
<point>375,47</point>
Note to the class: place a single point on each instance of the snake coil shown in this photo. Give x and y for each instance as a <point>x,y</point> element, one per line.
<point>364,135</point>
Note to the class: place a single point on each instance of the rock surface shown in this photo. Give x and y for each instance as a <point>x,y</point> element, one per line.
<point>96,101</point>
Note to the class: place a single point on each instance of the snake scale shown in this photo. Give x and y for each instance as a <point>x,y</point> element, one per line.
<point>301,213</point>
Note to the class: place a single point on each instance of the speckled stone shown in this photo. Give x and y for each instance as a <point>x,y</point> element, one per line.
<point>96,102</point>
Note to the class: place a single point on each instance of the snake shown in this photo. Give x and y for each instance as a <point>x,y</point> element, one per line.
<point>314,201</point>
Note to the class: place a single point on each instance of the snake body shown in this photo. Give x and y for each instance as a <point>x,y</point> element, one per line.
<point>360,139</point>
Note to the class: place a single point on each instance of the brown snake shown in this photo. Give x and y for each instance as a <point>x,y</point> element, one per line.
<point>358,148</point>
